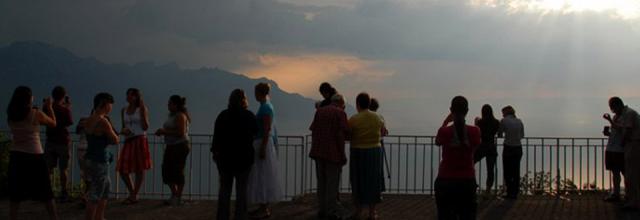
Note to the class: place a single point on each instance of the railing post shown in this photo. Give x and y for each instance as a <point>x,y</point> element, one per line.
<point>557,167</point>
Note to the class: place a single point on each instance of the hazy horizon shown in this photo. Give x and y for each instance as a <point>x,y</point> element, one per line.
<point>555,61</point>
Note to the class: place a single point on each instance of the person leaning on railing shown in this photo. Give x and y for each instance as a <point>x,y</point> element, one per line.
<point>232,149</point>
<point>134,155</point>
<point>488,149</point>
<point>28,174</point>
<point>367,180</point>
<point>513,131</point>
<point>455,185</point>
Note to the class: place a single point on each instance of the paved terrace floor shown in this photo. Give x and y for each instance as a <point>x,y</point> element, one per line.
<point>583,207</point>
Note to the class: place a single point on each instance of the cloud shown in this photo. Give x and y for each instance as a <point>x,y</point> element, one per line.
<point>414,54</point>
<point>302,73</point>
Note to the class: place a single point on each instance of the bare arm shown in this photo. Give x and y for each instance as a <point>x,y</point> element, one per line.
<point>44,119</point>
<point>265,136</point>
<point>108,130</point>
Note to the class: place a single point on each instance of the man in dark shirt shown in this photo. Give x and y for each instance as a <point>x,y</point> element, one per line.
<point>329,131</point>
<point>58,144</point>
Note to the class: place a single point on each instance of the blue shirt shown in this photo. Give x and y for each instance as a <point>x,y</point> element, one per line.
<point>265,110</point>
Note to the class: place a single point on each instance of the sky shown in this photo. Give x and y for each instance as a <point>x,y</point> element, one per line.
<point>555,61</point>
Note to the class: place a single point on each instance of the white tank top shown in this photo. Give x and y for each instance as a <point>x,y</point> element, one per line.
<point>26,135</point>
<point>134,123</point>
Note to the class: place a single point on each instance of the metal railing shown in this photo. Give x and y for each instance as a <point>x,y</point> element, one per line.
<point>549,164</point>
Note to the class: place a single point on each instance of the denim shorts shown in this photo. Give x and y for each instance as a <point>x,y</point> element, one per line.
<point>99,182</point>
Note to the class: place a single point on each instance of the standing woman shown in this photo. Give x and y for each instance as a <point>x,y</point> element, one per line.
<point>175,131</point>
<point>264,179</point>
<point>134,156</point>
<point>28,173</point>
<point>455,185</point>
<point>233,134</point>
<point>488,125</point>
<point>100,134</point>
<point>513,131</point>
<point>366,175</point>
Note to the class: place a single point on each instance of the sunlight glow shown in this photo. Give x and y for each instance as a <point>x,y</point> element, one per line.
<point>624,9</point>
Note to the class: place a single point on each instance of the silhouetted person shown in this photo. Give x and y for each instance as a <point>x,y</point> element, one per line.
<point>100,134</point>
<point>455,186</point>
<point>513,131</point>
<point>28,173</point>
<point>57,149</point>
<point>264,179</point>
<point>488,125</point>
<point>176,136</point>
<point>629,125</point>
<point>233,134</point>
<point>135,156</point>
<point>329,131</point>
<point>366,157</point>
<point>614,155</point>
<point>327,91</point>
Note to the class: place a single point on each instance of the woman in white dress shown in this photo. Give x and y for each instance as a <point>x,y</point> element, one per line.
<point>264,179</point>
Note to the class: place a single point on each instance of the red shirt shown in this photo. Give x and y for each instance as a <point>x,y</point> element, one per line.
<point>457,159</point>
<point>328,132</point>
<point>60,134</point>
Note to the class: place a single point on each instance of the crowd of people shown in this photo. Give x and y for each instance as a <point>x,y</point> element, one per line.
<point>244,150</point>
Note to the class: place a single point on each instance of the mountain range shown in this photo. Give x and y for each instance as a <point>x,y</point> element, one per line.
<point>42,66</point>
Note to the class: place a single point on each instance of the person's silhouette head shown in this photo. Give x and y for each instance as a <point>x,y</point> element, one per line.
<point>363,101</point>
<point>508,110</point>
<point>616,105</point>
<point>327,90</point>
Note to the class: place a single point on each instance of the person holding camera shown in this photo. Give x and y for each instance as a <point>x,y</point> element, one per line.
<point>628,124</point>
<point>614,156</point>
<point>57,150</point>
<point>28,175</point>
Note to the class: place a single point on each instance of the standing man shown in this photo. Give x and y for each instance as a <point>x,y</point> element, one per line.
<point>57,148</point>
<point>513,130</point>
<point>329,130</point>
<point>629,125</point>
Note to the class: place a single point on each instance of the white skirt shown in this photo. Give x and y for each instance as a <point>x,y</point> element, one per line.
<point>264,179</point>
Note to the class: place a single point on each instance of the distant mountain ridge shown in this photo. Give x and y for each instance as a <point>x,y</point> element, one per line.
<point>42,66</point>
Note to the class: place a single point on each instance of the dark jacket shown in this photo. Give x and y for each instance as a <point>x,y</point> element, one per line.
<point>233,136</point>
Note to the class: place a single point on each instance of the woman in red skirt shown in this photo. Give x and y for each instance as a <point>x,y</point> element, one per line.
<point>134,156</point>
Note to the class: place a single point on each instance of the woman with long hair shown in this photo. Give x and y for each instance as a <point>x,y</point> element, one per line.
<point>28,173</point>
<point>176,136</point>
<point>488,125</point>
<point>233,134</point>
<point>264,179</point>
<point>455,186</point>
<point>134,156</point>
<point>99,133</point>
